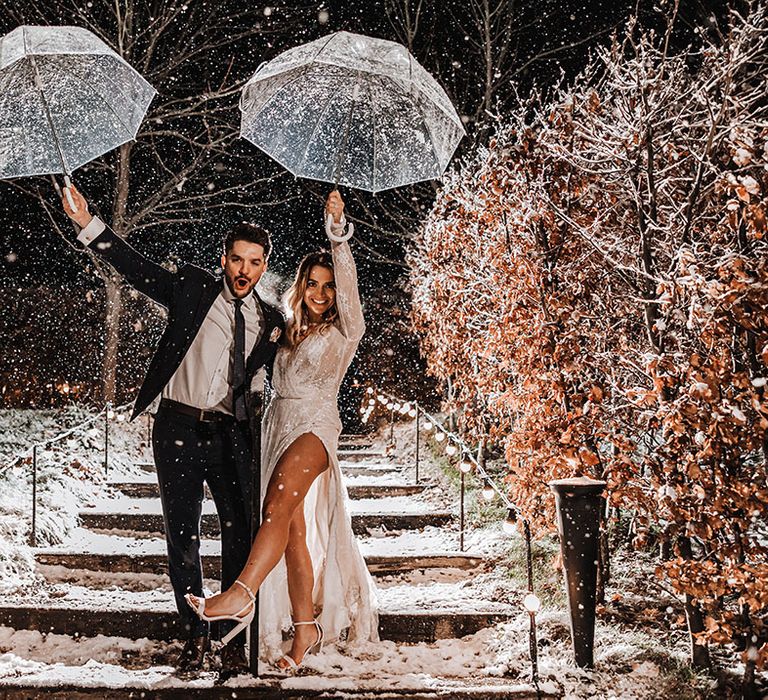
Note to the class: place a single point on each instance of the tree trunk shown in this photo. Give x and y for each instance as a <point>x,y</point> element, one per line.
<point>699,652</point>
<point>114,304</point>
<point>113,283</point>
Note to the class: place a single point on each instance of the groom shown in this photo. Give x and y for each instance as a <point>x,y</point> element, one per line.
<point>219,333</point>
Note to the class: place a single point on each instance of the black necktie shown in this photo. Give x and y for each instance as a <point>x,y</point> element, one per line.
<point>238,366</point>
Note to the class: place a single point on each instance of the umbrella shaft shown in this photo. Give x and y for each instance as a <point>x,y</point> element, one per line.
<point>345,138</point>
<point>39,85</point>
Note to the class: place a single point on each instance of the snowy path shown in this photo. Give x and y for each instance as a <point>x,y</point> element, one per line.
<point>442,602</point>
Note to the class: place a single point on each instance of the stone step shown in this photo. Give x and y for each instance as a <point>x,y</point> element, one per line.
<point>270,689</point>
<point>141,489</point>
<point>157,563</point>
<point>356,455</point>
<point>361,522</point>
<point>165,625</point>
<point>370,468</point>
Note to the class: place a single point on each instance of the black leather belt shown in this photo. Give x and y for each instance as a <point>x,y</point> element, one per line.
<point>200,414</point>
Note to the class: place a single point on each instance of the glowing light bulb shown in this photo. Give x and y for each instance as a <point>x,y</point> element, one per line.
<point>427,426</point>
<point>362,410</point>
<point>509,526</point>
<point>371,402</point>
<point>450,449</point>
<point>406,407</point>
<point>465,466</point>
<point>369,390</point>
<point>120,417</point>
<point>532,603</point>
<point>488,491</point>
<point>110,414</point>
<point>390,405</point>
<point>412,413</point>
<point>440,437</point>
<point>382,399</point>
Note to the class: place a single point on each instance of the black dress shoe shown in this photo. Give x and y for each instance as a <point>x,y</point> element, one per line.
<point>192,656</point>
<point>233,662</point>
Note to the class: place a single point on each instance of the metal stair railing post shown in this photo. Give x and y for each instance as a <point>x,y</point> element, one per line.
<point>461,512</point>
<point>418,416</point>
<point>33,533</point>
<point>532,643</point>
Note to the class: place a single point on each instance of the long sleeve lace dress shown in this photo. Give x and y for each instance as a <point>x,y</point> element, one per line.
<point>306,383</point>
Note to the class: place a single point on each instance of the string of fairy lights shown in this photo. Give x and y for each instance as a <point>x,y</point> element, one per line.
<point>454,445</point>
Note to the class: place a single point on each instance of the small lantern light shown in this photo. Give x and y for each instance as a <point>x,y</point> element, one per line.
<point>532,603</point>
<point>412,413</point>
<point>450,449</point>
<point>110,414</point>
<point>371,402</point>
<point>369,390</point>
<point>488,490</point>
<point>465,466</point>
<point>510,524</point>
<point>440,437</point>
<point>427,425</point>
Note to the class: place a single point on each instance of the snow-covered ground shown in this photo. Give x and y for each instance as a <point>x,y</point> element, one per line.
<point>632,661</point>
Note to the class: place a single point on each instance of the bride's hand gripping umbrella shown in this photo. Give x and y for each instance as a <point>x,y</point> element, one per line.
<point>351,110</point>
<point>65,99</point>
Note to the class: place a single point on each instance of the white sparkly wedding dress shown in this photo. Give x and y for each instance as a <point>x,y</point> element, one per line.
<point>306,384</point>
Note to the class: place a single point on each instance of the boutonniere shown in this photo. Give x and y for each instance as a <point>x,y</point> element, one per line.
<point>276,333</point>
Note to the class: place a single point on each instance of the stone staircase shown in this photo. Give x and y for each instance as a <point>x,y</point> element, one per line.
<point>109,579</point>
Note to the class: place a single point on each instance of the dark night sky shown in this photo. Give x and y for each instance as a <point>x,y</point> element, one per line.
<point>31,253</point>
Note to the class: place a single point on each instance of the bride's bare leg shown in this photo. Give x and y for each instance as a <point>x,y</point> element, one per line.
<point>294,473</point>
<point>301,581</point>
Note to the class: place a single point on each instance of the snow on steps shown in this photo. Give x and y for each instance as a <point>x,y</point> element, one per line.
<point>276,690</point>
<point>408,613</point>
<point>428,549</point>
<point>150,489</point>
<point>158,563</point>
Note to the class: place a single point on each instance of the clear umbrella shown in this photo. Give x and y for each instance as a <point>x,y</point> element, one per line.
<point>65,99</point>
<point>353,110</point>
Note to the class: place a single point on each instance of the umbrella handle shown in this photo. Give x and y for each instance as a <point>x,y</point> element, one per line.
<point>68,194</point>
<point>333,236</point>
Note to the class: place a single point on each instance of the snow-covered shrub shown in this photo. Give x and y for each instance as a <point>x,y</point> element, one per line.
<point>595,285</point>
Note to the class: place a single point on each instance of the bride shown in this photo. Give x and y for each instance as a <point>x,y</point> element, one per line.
<point>305,557</point>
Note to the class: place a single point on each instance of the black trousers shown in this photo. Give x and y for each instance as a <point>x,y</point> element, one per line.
<point>189,453</point>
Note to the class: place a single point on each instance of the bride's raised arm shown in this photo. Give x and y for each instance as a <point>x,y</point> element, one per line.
<point>345,273</point>
<point>347,294</point>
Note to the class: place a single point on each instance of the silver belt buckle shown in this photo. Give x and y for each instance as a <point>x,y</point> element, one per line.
<point>202,418</point>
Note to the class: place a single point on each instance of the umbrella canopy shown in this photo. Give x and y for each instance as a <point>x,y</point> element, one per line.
<point>65,99</point>
<point>351,109</point>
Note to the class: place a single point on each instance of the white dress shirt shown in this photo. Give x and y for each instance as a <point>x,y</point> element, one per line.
<point>203,378</point>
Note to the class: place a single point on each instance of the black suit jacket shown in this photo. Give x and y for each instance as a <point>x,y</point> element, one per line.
<point>187,294</point>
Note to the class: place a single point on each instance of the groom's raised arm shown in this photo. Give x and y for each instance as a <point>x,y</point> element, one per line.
<point>147,277</point>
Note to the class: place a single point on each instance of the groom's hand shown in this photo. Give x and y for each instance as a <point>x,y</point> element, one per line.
<point>81,217</point>
<point>334,206</point>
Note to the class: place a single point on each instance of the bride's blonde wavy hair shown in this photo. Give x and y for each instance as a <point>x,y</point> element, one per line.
<point>298,325</point>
